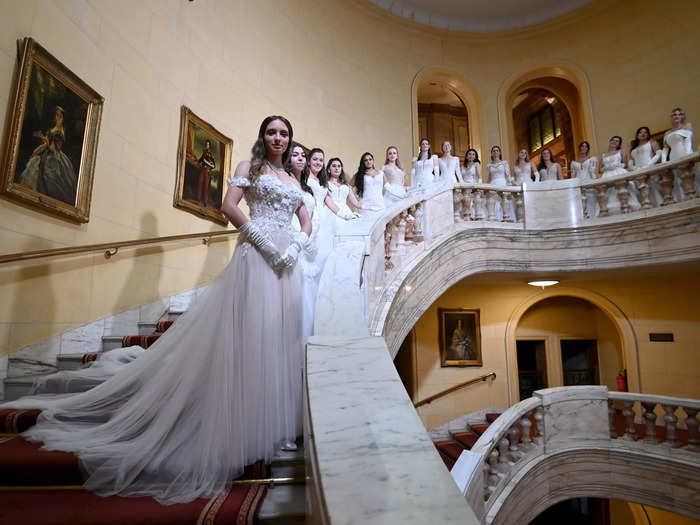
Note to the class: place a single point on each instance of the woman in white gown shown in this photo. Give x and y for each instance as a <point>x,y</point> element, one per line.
<point>369,184</point>
<point>298,167</point>
<point>678,142</point>
<point>449,165</point>
<point>525,170</point>
<point>426,168</point>
<point>498,172</point>
<point>646,152</point>
<point>584,168</point>
<point>613,163</point>
<point>339,190</point>
<point>222,387</point>
<point>549,170</point>
<point>471,174</point>
<point>394,188</point>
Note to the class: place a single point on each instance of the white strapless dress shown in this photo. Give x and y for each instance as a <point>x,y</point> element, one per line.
<point>469,174</point>
<point>395,176</point>
<point>498,175</point>
<point>372,198</point>
<point>680,141</point>
<point>219,390</point>
<point>612,165</point>
<point>425,171</point>
<point>643,156</point>
<point>339,194</point>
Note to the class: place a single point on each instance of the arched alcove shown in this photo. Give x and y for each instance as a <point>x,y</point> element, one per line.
<point>565,82</point>
<point>628,357</point>
<point>566,341</point>
<point>462,89</point>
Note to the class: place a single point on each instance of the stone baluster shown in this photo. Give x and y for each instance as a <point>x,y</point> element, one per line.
<point>410,224</point>
<point>494,473</point>
<point>649,422</point>
<point>504,462</point>
<point>671,422</point>
<point>519,207</point>
<point>401,232</point>
<point>514,439</point>
<point>388,265</point>
<point>491,204</point>
<point>602,196</point>
<point>457,204</point>
<point>644,191</point>
<point>611,418</point>
<point>526,425</point>
<point>418,224</point>
<point>479,205</point>
<point>692,423</point>
<point>623,195</point>
<point>666,186</point>
<point>506,200</point>
<point>466,204</point>
<point>628,413</point>
<point>539,425</point>
<point>687,177</point>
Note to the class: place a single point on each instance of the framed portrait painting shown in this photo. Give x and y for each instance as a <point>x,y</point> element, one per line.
<point>204,164</point>
<point>459,337</point>
<point>53,129</point>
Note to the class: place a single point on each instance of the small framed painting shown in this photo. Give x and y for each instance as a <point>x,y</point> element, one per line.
<point>459,337</point>
<point>204,164</point>
<point>53,129</point>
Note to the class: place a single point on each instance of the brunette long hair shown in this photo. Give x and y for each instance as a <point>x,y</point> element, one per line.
<point>258,151</point>
<point>304,177</point>
<point>635,141</point>
<point>323,174</point>
<point>360,175</point>
<point>341,179</point>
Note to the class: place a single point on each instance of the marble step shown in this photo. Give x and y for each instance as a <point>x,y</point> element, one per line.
<point>284,504</point>
<point>110,342</point>
<point>70,361</point>
<point>16,387</point>
<point>146,328</point>
<point>288,464</point>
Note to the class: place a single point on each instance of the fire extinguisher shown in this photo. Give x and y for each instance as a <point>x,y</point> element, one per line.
<point>622,381</point>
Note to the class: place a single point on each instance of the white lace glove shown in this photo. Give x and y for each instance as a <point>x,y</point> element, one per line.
<point>291,254</point>
<point>348,215</point>
<point>262,242</point>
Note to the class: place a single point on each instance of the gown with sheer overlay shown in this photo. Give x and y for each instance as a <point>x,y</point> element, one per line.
<point>525,174</point>
<point>612,165</point>
<point>217,391</point>
<point>450,172</point>
<point>395,189</point>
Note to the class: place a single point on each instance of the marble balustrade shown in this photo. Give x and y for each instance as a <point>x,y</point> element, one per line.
<point>477,202</point>
<point>555,422</point>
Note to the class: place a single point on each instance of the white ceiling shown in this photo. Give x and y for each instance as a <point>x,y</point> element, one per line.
<point>479,15</point>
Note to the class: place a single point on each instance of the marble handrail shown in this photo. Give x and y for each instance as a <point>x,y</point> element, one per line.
<point>559,419</point>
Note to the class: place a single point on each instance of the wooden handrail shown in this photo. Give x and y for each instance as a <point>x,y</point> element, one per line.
<point>452,389</point>
<point>111,248</point>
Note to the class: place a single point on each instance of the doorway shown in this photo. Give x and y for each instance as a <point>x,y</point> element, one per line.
<point>579,359</point>
<point>532,366</point>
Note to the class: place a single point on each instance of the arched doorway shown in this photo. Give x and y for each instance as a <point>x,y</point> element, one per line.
<point>541,120</point>
<point>442,116</point>
<point>555,84</point>
<point>566,341</point>
<point>587,323</point>
<point>438,85</point>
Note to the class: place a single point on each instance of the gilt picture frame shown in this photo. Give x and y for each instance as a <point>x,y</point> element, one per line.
<point>203,167</point>
<point>459,337</point>
<point>48,161</point>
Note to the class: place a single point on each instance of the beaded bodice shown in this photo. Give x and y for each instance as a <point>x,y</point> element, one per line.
<point>585,169</point>
<point>394,175</point>
<point>339,194</point>
<point>271,202</point>
<point>612,162</point>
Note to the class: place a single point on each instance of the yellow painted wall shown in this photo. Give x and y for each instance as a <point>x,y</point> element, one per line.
<point>652,303</point>
<point>626,513</point>
<point>340,70</point>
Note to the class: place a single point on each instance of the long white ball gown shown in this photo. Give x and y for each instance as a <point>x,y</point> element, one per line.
<point>339,193</point>
<point>308,260</point>
<point>586,171</point>
<point>326,226</point>
<point>425,172</point>
<point>499,173</point>
<point>449,170</point>
<point>217,391</point>
<point>372,197</point>
<point>680,142</point>
<point>641,157</point>
<point>548,173</point>
<point>395,189</point>
<point>524,175</point>
<point>612,165</point>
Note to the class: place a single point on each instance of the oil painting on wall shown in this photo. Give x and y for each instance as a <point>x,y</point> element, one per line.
<point>204,163</point>
<point>49,157</point>
<point>460,337</point>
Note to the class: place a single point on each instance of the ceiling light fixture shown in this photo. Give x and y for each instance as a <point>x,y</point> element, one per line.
<point>543,284</point>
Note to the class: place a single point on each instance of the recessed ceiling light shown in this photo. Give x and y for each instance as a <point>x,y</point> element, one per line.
<point>542,284</point>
